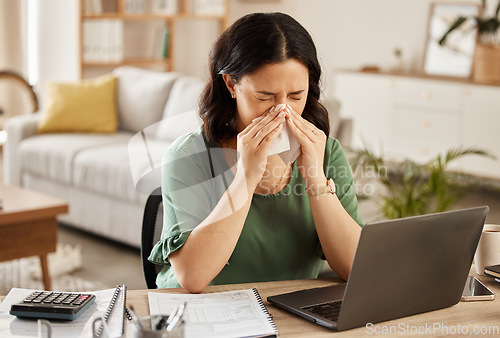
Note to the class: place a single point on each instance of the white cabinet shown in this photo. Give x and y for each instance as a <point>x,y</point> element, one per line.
<point>418,117</point>
<point>481,128</point>
<point>366,100</point>
<point>425,118</point>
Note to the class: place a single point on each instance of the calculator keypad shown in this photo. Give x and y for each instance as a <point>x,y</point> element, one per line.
<point>47,297</point>
<point>48,304</point>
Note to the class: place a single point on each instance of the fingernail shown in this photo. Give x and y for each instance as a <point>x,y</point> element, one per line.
<point>281,114</point>
<point>255,119</point>
<point>273,109</point>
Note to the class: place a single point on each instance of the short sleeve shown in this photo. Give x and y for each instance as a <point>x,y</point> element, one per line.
<point>191,190</point>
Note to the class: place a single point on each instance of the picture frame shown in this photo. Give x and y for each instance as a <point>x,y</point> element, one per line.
<point>455,57</point>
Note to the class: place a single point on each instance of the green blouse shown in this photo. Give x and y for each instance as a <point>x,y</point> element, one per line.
<point>279,239</point>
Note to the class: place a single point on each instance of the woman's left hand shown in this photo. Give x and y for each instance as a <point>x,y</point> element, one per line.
<point>312,142</point>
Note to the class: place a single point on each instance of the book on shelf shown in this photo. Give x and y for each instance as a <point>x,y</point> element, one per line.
<point>161,41</point>
<point>109,6</point>
<point>135,6</point>
<point>90,7</point>
<point>208,7</point>
<point>165,7</point>
<point>166,44</point>
<point>103,41</point>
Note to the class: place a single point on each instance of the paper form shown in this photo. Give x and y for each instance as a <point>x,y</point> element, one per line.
<point>223,314</point>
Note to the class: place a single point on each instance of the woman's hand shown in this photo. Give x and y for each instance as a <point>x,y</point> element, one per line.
<point>254,143</point>
<point>312,142</point>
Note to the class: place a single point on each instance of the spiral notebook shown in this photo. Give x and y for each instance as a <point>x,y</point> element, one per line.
<point>114,317</point>
<point>222,314</point>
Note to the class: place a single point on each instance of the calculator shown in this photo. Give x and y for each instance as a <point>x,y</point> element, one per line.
<point>53,305</point>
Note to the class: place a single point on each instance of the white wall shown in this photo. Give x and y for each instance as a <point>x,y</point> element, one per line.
<point>355,33</point>
<point>57,35</point>
<point>348,34</point>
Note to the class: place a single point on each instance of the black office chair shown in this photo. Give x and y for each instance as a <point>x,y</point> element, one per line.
<point>152,225</point>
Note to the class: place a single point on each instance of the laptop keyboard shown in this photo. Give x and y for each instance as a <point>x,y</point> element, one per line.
<point>329,310</point>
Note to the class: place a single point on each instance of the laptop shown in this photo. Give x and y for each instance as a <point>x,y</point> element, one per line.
<point>401,267</point>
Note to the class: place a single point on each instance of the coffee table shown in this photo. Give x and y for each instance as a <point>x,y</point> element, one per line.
<point>28,225</point>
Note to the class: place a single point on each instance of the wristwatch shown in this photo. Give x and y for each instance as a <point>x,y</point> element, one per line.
<point>328,188</point>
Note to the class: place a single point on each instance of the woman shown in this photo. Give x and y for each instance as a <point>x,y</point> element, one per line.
<point>233,214</point>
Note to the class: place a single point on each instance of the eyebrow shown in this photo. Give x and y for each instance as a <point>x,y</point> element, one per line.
<point>263,92</point>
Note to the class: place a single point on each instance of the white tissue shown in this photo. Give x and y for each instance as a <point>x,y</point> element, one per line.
<point>286,144</point>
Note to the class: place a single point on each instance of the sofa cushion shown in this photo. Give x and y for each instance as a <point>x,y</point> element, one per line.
<point>145,156</point>
<point>93,170</point>
<point>171,128</point>
<point>85,106</point>
<point>181,111</point>
<point>51,156</point>
<point>142,95</point>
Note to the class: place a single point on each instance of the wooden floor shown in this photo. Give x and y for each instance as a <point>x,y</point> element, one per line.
<point>104,261</point>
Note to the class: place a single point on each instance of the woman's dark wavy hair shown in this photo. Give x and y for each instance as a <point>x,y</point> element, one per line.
<point>251,42</point>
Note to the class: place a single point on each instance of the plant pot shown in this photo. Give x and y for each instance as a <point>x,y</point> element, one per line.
<point>487,63</point>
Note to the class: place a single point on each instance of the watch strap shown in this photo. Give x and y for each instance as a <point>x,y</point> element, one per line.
<point>329,188</point>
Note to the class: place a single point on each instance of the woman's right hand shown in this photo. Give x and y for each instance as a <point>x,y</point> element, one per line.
<point>253,145</point>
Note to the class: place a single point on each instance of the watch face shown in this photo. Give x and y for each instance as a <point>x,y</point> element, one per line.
<point>331,186</point>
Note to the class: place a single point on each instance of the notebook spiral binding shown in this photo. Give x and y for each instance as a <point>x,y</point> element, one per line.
<point>111,305</point>
<point>264,309</point>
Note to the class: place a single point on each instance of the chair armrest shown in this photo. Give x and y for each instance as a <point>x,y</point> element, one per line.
<point>18,128</point>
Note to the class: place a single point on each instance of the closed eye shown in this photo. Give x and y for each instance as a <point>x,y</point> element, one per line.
<point>296,96</point>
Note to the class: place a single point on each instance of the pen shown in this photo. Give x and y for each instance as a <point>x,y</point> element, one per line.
<point>135,318</point>
<point>177,317</point>
<point>160,323</point>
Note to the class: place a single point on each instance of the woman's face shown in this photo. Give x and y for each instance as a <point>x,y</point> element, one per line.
<point>286,82</point>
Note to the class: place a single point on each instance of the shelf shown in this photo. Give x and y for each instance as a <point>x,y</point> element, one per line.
<point>128,62</point>
<point>110,28</point>
<point>140,17</point>
<point>422,75</point>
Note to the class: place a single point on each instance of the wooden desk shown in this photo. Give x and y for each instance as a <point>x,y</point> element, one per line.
<point>463,316</point>
<point>28,225</point>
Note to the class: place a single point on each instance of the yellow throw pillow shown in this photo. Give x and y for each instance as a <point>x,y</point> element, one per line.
<point>86,106</point>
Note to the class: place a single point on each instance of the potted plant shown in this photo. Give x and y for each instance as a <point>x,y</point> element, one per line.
<point>412,188</point>
<point>487,51</point>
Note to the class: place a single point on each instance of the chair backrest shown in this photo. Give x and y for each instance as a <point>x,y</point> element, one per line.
<point>152,225</point>
<point>17,94</point>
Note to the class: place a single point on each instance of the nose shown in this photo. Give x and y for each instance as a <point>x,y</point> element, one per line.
<point>280,100</point>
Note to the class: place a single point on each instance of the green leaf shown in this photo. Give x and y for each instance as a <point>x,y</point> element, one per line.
<point>413,188</point>
<point>460,20</point>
